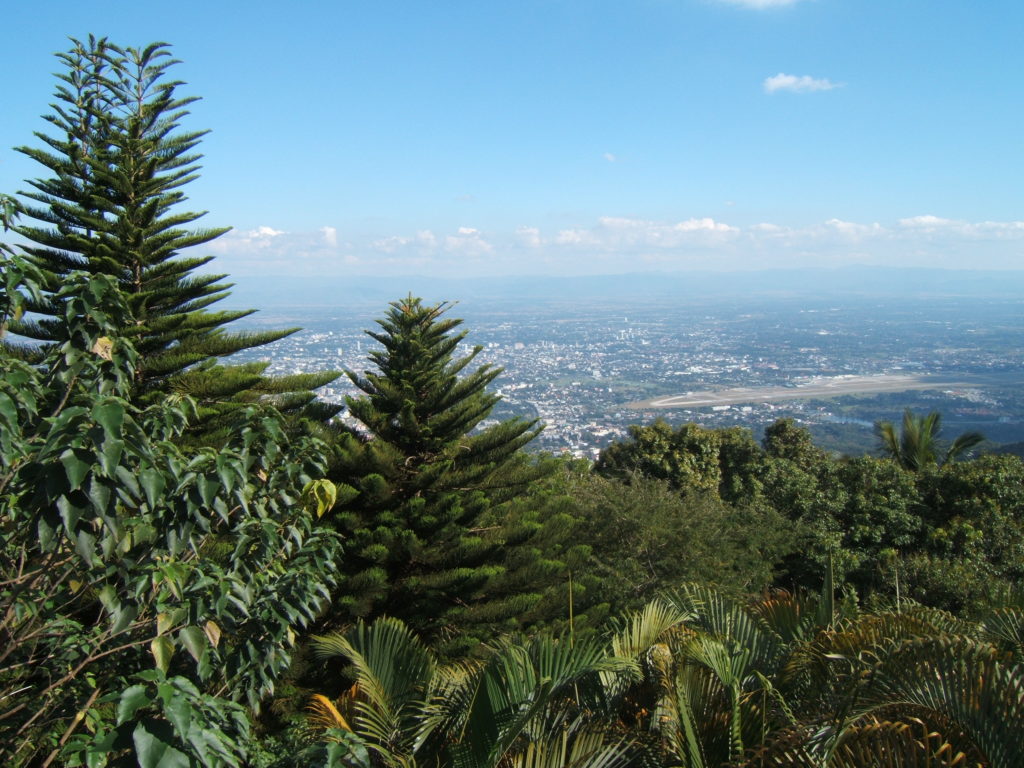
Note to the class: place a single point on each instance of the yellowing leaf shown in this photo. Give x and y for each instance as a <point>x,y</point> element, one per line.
<point>162,649</point>
<point>104,348</point>
<point>164,621</point>
<point>212,632</point>
<point>319,496</point>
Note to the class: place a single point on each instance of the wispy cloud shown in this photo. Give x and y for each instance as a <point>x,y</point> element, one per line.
<point>797,84</point>
<point>617,232</point>
<point>609,157</point>
<point>926,222</point>
<point>930,224</point>
<point>613,244</point>
<point>467,241</point>
<point>422,241</point>
<point>262,232</point>
<point>530,237</point>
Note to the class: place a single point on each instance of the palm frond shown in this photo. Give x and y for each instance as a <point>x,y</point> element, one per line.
<point>324,714</point>
<point>1005,627</point>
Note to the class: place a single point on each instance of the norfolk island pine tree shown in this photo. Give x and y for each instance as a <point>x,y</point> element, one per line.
<point>118,165</point>
<point>426,540</point>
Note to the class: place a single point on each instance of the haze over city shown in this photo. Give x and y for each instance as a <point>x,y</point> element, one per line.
<point>569,138</point>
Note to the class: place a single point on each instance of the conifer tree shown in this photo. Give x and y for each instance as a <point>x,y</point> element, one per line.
<point>425,540</point>
<point>111,205</point>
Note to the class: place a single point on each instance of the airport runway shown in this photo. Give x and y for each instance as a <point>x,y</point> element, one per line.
<point>823,387</point>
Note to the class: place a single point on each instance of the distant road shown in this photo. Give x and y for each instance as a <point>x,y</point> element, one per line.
<point>820,387</point>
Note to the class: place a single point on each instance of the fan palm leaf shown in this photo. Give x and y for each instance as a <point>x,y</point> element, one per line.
<point>585,749</point>
<point>1005,627</point>
<point>394,673</point>
<point>540,692</point>
<point>878,744</point>
<point>971,683</point>
<point>707,661</point>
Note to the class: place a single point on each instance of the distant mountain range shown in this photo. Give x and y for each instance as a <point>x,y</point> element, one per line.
<point>868,282</point>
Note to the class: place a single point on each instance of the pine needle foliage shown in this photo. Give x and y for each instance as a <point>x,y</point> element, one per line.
<point>117,163</point>
<point>426,542</point>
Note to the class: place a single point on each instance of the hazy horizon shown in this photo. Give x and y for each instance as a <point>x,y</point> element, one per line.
<point>882,283</point>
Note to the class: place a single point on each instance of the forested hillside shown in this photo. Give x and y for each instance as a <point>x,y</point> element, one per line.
<point>201,567</point>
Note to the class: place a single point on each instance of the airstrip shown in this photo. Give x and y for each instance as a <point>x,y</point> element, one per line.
<point>812,388</point>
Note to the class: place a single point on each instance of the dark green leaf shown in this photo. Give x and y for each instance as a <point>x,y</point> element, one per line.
<point>70,514</point>
<point>110,455</point>
<point>110,416</point>
<point>99,495</point>
<point>132,699</point>
<point>194,641</point>
<point>85,545</point>
<point>153,749</point>
<point>8,410</point>
<point>123,617</point>
<point>76,466</point>
<point>153,484</point>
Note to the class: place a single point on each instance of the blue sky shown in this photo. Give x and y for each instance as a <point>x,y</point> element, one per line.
<point>572,136</point>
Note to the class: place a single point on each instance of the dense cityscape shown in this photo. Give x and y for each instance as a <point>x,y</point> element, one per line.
<point>589,371</point>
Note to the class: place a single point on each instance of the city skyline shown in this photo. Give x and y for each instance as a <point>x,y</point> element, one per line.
<point>571,138</point>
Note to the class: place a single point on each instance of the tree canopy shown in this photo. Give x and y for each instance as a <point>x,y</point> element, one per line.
<point>917,445</point>
<point>422,479</point>
<point>149,595</point>
<point>118,162</point>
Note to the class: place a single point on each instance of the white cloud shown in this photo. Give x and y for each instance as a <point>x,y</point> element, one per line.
<point>260,232</point>
<point>852,229</point>
<point>936,225</point>
<point>390,244</point>
<point>619,231</point>
<point>609,157</point>
<point>426,238</point>
<point>797,84</point>
<point>927,221</point>
<point>702,225</point>
<point>423,241</point>
<point>1012,229</point>
<point>613,244</point>
<point>260,238</point>
<point>530,237</point>
<point>573,237</point>
<point>467,241</point>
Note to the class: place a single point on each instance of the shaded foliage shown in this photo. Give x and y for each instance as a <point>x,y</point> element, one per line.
<point>148,595</point>
<point>948,536</point>
<point>422,483</point>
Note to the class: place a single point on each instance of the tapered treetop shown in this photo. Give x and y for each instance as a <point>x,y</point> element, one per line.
<point>423,477</point>
<point>118,161</point>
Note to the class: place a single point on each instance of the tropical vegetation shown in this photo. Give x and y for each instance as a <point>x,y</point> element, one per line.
<point>193,574</point>
<point>116,164</point>
<point>916,445</point>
